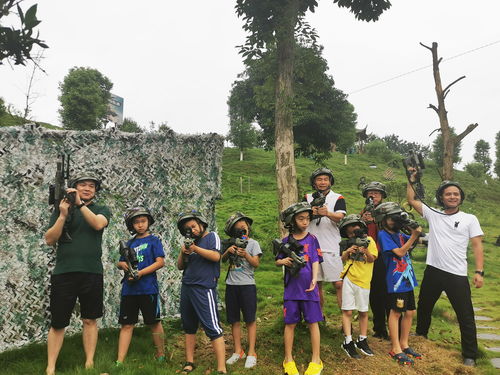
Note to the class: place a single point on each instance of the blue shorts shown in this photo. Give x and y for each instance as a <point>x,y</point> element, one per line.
<point>199,305</point>
<point>293,311</point>
<point>241,298</point>
<point>149,304</point>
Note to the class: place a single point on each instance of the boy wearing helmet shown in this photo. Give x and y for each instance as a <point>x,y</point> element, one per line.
<point>400,278</point>
<point>301,293</point>
<point>143,293</point>
<point>325,228</point>
<point>450,232</point>
<point>78,270</point>
<point>201,270</point>
<point>241,292</point>
<point>356,274</point>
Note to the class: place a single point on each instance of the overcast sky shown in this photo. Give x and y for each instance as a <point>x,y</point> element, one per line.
<point>176,61</point>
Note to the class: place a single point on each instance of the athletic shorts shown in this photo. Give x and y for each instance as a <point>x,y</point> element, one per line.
<point>294,310</point>
<point>149,304</point>
<point>354,297</point>
<point>199,305</point>
<point>331,268</point>
<point>401,302</point>
<point>66,288</point>
<point>241,298</point>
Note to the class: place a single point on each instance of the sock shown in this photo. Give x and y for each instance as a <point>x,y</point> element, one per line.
<point>361,338</point>
<point>348,339</point>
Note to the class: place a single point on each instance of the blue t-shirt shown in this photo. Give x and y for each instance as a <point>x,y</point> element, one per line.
<point>199,270</point>
<point>400,276</point>
<point>147,249</point>
<point>295,286</point>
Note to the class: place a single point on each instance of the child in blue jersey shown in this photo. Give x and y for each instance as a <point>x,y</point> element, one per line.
<point>400,277</point>
<point>141,292</point>
<point>199,262</point>
<point>301,294</point>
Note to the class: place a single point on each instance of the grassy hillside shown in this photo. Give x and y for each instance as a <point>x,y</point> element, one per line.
<point>249,186</point>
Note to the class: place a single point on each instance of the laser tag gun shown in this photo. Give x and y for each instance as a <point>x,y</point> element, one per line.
<point>403,222</point>
<point>318,201</point>
<point>369,206</point>
<point>57,192</point>
<point>415,160</point>
<point>360,240</point>
<point>239,240</point>
<point>291,249</point>
<point>188,241</point>
<point>131,259</point>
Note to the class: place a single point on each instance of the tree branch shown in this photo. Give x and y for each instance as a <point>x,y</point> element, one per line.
<point>432,106</point>
<point>455,81</point>
<point>423,45</point>
<point>461,136</point>
<point>435,130</point>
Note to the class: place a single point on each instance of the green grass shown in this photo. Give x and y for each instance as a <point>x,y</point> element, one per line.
<point>257,197</point>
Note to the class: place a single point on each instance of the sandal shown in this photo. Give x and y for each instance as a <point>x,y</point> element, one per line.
<point>186,370</point>
<point>413,353</point>
<point>401,358</point>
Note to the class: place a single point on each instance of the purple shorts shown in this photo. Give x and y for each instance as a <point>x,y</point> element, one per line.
<point>294,310</point>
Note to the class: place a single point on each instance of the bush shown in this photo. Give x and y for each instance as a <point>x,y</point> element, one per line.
<point>378,148</point>
<point>475,169</point>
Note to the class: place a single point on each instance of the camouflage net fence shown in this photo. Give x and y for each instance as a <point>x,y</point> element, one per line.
<point>166,172</point>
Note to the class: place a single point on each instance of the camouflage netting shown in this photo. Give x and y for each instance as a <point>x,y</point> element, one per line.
<point>166,172</point>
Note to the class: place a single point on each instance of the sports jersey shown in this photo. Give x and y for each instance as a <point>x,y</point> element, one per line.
<point>360,272</point>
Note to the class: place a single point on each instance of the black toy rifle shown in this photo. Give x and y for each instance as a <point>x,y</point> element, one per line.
<point>360,240</point>
<point>319,200</point>
<point>188,241</point>
<point>132,274</point>
<point>291,249</point>
<point>415,161</point>
<point>240,240</point>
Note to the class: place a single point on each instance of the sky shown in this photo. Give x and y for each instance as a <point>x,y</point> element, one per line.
<point>175,62</point>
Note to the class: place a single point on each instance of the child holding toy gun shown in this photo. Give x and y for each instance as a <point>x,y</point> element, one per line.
<point>140,289</point>
<point>241,293</point>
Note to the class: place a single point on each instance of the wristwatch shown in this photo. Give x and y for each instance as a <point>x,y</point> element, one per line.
<point>81,205</point>
<point>480,272</point>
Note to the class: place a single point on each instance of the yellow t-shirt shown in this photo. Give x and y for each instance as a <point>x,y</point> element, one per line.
<point>360,273</point>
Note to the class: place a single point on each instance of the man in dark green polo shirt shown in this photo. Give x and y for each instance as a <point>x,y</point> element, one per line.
<point>78,270</point>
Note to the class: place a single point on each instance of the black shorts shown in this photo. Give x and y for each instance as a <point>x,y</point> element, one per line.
<point>66,288</point>
<point>241,298</point>
<point>401,302</point>
<point>149,304</point>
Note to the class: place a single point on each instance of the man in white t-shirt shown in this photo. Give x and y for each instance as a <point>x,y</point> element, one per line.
<point>450,231</point>
<point>325,227</point>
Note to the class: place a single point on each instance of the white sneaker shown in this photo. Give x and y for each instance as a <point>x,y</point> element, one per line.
<point>235,358</point>
<point>251,361</point>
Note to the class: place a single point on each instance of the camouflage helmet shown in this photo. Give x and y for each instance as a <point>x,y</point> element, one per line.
<point>374,186</point>
<point>193,214</point>
<point>444,185</point>
<point>287,215</point>
<point>228,228</point>
<point>386,209</point>
<point>319,172</point>
<point>348,220</point>
<point>84,177</point>
<point>135,212</point>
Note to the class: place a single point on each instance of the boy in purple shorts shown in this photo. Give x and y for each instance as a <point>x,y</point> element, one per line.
<point>300,254</point>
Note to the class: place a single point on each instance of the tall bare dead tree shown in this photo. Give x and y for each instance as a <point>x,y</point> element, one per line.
<point>449,140</point>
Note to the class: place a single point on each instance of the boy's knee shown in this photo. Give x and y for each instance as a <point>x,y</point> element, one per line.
<point>347,313</point>
<point>127,327</point>
<point>89,322</point>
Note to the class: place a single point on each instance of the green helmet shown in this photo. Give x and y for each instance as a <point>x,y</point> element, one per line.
<point>85,177</point>
<point>319,172</point>
<point>444,185</point>
<point>348,220</point>
<point>193,214</point>
<point>376,186</point>
<point>134,212</point>
<point>228,228</point>
<point>386,209</point>
<point>287,215</point>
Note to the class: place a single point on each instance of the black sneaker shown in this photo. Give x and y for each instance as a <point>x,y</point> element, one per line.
<point>362,345</point>
<point>350,350</point>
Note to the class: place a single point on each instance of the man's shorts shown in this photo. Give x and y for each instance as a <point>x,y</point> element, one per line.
<point>241,298</point>
<point>331,268</point>
<point>402,302</point>
<point>354,297</point>
<point>294,310</point>
<point>149,304</point>
<point>66,288</point>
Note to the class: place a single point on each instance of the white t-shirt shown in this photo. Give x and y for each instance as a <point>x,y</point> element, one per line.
<point>449,237</point>
<point>327,232</point>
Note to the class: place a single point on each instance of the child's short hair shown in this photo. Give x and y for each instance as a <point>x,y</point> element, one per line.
<point>233,219</point>
<point>288,215</point>
<point>136,212</point>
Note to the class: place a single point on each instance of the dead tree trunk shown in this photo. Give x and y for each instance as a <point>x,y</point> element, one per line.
<point>449,140</point>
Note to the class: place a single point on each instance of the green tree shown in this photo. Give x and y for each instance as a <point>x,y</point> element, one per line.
<point>84,98</point>
<point>396,144</point>
<point>3,109</point>
<point>438,150</point>
<point>497,151</point>
<point>275,23</point>
<point>17,42</point>
<point>130,126</point>
<point>242,134</point>
<point>482,155</point>
<point>475,169</point>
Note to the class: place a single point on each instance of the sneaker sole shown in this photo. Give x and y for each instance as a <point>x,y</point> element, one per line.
<point>362,351</point>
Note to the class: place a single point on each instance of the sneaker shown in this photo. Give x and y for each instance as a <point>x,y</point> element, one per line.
<point>235,358</point>
<point>362,345</point>
<point>314,368</point>
<point>251,361</point>
<point>350,350</point>
<point>290,368</point>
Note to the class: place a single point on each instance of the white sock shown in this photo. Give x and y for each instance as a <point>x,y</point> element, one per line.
<point>361,338</point>
<point>348,339</point>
